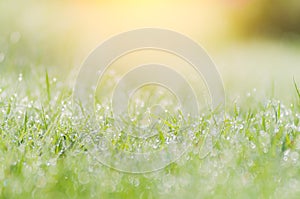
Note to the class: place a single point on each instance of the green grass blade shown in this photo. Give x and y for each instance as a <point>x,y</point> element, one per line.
<point>297,88</point>
<point>48,86</point>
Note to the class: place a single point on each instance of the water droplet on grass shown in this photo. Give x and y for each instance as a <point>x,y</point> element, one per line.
<point>250,163</point>
<point>83,178</point>
<point>134,181</point>
<point>103,144</point>
<point>252,145</point>
<point>20,77</point>
<point>294,156</point>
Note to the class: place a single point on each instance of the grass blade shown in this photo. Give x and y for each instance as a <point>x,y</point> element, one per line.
<point>297,88</point>
<point>48,86</point>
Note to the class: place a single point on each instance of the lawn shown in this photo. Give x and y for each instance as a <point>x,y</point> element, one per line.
<point>51,147</point>
<point>250,149</point>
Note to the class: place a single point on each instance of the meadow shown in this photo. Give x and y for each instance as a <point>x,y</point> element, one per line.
<point>250,148</point>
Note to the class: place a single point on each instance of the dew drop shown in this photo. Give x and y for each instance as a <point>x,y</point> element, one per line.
<point>103,145</point>
<point>250,163</point>
<point>20,77</point>
<point>83,178</point>
<point>252,145</point>
<point>134,181</point>
<point>294,156</point>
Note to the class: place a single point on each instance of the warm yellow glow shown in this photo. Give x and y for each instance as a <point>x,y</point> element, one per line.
<point>203,21</point>
<point>80,25</point>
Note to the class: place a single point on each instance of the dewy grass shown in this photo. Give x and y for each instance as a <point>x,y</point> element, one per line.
<point>249,151</point>
<point>297,89</point>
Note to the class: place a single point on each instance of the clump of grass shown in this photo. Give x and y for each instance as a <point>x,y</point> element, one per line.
<point>240,153</point>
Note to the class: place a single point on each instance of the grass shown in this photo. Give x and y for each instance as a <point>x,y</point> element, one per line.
<point>250,150</point>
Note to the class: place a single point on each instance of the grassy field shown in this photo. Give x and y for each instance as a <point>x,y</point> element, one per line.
<point>254,154</point>
<point>251,149</point>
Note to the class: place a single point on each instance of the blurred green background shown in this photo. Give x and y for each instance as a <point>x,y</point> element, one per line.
<point>255,43</point>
